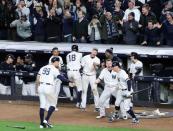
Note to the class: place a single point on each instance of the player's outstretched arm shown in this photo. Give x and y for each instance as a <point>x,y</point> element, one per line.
<point>63,78</point>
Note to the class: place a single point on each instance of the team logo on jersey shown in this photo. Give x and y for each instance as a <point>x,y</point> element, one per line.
<point>113,76</point>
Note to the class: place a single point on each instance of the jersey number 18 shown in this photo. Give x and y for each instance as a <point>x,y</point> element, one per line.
<point>72,57</point>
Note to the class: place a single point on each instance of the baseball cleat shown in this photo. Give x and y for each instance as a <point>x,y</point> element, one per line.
<point>135,120</point>
<point>78,105</point>
<point>96,110</point>
<point>71,98</point>
<point>56,109</point>
<point>48,125</point>
<point>110,119</point>
<point>116,116</point>
<point>42,126</point>
<point>83,109</point>
<point>99,117</point>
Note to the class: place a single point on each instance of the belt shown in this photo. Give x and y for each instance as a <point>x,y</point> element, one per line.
<point>87,74</point>
<point>72,70</point>
<point>123,89</point>
<point>45,83</point>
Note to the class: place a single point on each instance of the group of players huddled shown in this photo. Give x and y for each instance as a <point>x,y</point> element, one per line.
<point>82,72</point>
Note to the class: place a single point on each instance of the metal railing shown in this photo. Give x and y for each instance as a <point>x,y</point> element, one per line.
<point>152,84</point>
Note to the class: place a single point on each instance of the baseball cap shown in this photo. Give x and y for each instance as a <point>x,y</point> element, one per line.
<point>28,56</point>
<point>55,59</point>
<point>55,48</point>
<point>10,56</point>
<point>116,63</point>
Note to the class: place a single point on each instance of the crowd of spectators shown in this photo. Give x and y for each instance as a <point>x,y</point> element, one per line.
<point>140,22</point>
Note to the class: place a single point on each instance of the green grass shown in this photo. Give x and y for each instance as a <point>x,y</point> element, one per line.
<point>35,127</point>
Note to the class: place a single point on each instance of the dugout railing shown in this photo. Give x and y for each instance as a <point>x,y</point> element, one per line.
<point>150,89</point>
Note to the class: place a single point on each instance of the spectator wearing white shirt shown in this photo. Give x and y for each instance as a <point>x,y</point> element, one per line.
<point>132,8</point>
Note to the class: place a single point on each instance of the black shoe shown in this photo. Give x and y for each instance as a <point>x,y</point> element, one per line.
<point>42,126</point>
<point>48,125</point>
<point>135,120</point>
<point>111,119</point>
<point>116,116</point>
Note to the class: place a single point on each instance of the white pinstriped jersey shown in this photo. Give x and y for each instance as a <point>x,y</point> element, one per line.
<point>73,60</point>
<point>109,77</point>
<point>48,74</point>
<point>88,64</point>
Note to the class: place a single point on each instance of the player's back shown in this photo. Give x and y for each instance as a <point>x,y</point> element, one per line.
<point>48,74</point>
<point>74,60</point>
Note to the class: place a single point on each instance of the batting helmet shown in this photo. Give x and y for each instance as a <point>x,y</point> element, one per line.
<point>55,59</point>
<point>74,48</point>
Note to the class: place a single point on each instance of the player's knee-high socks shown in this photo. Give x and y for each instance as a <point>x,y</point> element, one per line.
<point>71,91</point>
<point>131,113</point>
<point>79,95</point>
<point>50,111</point>
<point>117,111</point>
<point>41,116</point>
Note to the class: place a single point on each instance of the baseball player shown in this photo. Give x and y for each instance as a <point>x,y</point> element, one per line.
<point>109,55</point>
<point>5,81</point>
<point>55,53</point>
<point>90,64</point>
<point>28,83</point>
<point>136,67</point>
<point>73,66</point>
<point>45,85</point>
<point>124,92</point>
<point>110,88</point>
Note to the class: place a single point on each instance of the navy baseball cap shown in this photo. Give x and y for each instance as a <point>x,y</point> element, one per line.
<point>28,56</point>
<point>55,48</point>
<point>116,63</point>
<point>10,56</point>
<point>55,59</point>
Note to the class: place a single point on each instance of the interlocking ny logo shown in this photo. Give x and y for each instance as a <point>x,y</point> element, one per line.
<point>113,76</point>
